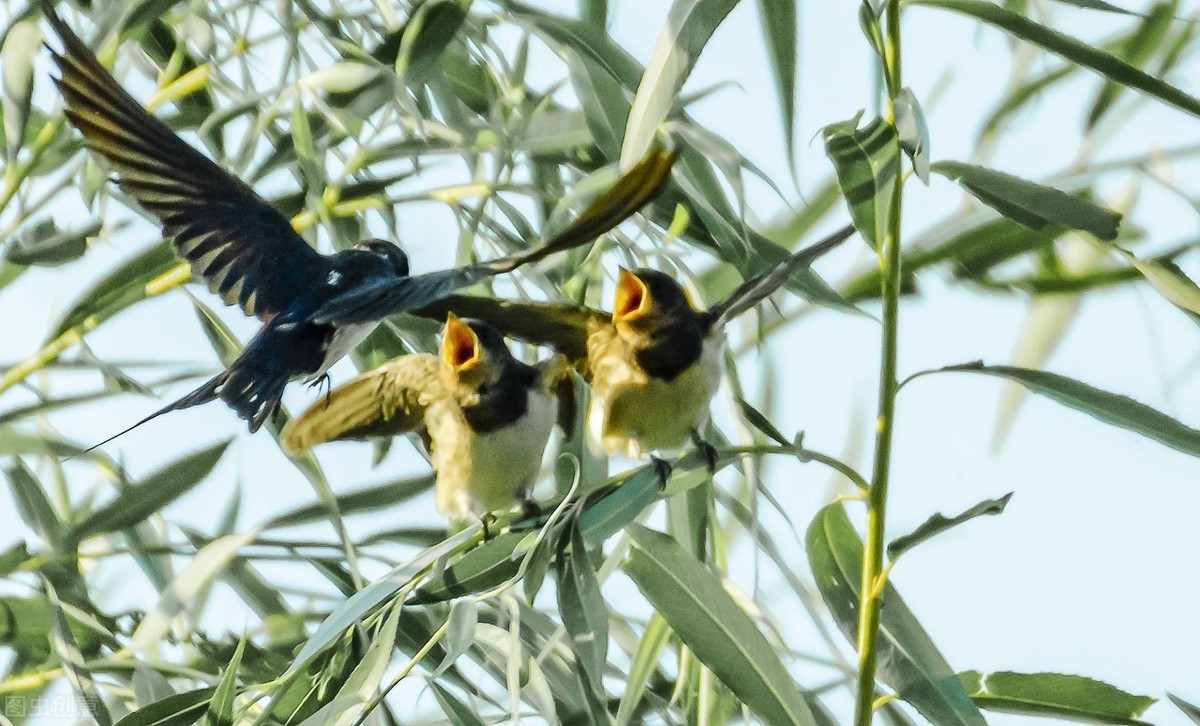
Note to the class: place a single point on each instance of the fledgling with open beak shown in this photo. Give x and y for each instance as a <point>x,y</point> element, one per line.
<point>654,362</point>
<point>314,307</point>
<point>484,416</point>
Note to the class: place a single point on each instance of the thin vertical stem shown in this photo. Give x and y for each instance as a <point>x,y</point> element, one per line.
<point>873,576</point>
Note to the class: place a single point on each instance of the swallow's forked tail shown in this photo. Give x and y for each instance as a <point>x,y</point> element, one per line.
<point>253,394</point>
<point>203,394</point>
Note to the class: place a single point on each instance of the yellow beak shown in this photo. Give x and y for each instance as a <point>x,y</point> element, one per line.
<point>632,299</point>
<point>460,347</point>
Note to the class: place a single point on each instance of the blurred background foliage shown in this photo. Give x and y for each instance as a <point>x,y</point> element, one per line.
<point>507,117</point>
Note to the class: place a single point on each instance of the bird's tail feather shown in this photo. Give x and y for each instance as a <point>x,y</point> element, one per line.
<point>203,394</point>
<point>253,394</point>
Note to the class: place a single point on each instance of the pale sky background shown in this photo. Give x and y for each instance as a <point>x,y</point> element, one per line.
<point>1090,570</point>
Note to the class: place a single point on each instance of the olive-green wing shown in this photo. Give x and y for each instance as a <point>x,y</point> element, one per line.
<point>562,326</point>
<point>387,401</point>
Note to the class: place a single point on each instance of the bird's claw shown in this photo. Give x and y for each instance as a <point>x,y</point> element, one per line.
<point>706,450</point>
<point>530,509</point>
<point>663,467</point>
<point>487,519</point>
<point>327,382</point>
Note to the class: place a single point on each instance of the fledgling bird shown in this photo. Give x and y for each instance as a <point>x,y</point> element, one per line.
<point>483,415</point>
<point>249,254</point>
<point>653,362</point>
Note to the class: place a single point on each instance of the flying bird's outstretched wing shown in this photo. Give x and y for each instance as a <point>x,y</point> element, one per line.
<point>233,239</point>
<point>631,192</point>
<point>385,401</point>
<point>755,289</point>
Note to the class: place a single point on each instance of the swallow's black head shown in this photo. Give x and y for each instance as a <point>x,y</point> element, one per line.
<point>653,314</point>
<point>648,301</point>
<point>389,251</point>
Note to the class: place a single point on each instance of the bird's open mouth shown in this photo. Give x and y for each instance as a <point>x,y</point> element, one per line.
<point>460,347</point>
<point>632,297</point>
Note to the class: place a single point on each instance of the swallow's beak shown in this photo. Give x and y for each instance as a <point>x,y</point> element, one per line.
<point>460,347</point>
<point>632,299</point>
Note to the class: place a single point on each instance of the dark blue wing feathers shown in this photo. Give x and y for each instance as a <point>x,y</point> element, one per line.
<point>233,239</point>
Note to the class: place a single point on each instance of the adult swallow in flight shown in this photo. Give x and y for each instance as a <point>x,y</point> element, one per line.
<point>653,362</point>
<point>248,253</point>
<point>484,416</point>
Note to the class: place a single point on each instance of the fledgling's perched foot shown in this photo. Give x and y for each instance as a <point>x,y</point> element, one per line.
<point>664,470</point>
<point>487,519</point>
<point>707,450</point>
<point>530,509</point>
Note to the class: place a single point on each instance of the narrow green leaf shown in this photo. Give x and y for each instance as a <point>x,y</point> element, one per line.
<point>1111,408</point>
<point>539,560</point>
<point>120,288</point>
<point>939,523</point>
<point>908,660</point>
<point>603,102</point>
<point>1192,712</point>
<point>1020,96</point>
<point>21,44</point>
<point>1097,5</point>
<point>762,423</point>
<point>482,568</point>
<point>865,162</point>
<point>33,505</point>
<point>194,579</point>
<point>460,632</point>
<point>1032,204</point>
<point>360,603</point>
<point>220,709</point>
<point>1056,695</point>
<point>426,36</point>
<point>181,709</point>
<point>72,659</point>
<point>366,499</point>
<point>340,77</point>
<point>1137,51</point>
<point>137,502</point>
<point>645,663</point>
<point>610,514</point>
<point>1169,281</point>
<point>779,28</point>
<point>972,252</point>
<point>12,558</point>
<point>583,610</point>
<point>690,24</point>
<point>149,685</point>
<point>350,703</point>
<point>1074,50</point>
<point>46,245</point>
<point>457,711</point>
<point>709,621</point>
<point>868,22</point>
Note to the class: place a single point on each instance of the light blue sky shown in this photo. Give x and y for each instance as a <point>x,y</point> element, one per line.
<point>1090,570</point>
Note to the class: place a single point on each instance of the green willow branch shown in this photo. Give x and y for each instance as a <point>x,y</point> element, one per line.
<point>889,262</point>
